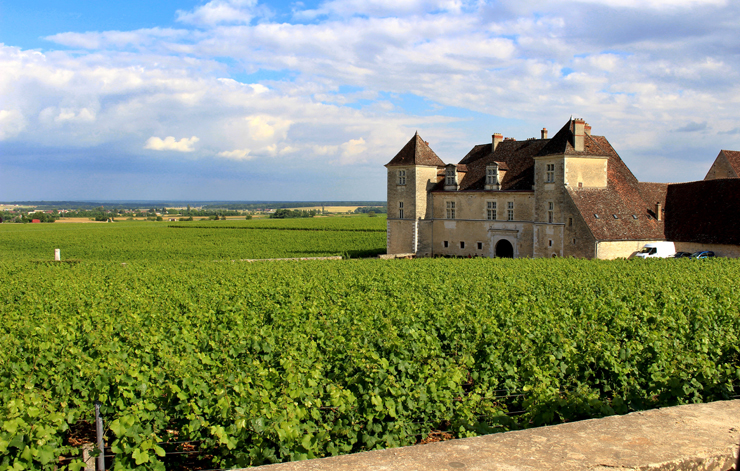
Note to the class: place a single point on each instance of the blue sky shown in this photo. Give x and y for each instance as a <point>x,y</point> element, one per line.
<point>253,100</point>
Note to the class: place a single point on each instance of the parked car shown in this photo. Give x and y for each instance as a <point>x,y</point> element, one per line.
<point>702,254</point>
<point>682,255</point>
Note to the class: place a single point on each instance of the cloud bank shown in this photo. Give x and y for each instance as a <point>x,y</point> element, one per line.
<point>330,94</point>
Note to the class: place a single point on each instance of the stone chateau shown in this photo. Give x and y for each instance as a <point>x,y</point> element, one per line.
<point>566,196</point>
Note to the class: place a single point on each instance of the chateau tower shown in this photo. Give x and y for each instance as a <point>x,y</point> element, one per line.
<point>411,174</point>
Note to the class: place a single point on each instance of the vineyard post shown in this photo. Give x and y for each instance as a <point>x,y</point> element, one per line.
<point>87,457</point>
<point>99,430</point>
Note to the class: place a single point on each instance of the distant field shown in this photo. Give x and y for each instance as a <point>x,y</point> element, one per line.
<point>196,240</point>
<point>331,209</point>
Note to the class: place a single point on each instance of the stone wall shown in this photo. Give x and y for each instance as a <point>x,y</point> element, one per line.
<point>695,437</point>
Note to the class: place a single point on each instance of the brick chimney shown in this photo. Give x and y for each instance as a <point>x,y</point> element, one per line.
<point>587,129</point>
<point>544,133</point>
<point>658,211</point>
<point>578,134</point>
<point>497,138</point>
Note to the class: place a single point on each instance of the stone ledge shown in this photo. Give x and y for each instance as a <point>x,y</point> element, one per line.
<point>393,256</point>
<point>696,437</point>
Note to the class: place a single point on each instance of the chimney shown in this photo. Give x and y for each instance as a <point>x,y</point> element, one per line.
<point>497,138</point>
<point>587,129</point>
<point>658,211</point>
<point>544,133</point>
<point>578,134</point>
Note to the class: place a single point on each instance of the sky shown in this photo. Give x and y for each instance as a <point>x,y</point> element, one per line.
<point>280,100</point>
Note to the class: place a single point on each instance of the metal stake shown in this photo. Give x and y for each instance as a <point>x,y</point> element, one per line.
<point>99,430</point>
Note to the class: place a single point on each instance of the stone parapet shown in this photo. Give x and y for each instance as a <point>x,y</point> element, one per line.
<point>696,437</point>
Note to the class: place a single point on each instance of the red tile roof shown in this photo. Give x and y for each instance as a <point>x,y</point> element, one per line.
<point>733,158</point>
<point>631,201</point>
<point>416,152</point>
<point>705,211</point>
<point>598,207</point>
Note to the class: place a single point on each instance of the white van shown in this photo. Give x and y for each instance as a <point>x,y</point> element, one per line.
<point>657,250</point>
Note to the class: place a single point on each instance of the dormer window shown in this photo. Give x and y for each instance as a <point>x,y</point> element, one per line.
<point>402,177</point>
<point>492,177</point>
<point>451,177</point>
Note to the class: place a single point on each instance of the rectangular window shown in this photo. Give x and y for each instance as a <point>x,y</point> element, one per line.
<point>570,221</point>
<point>549,243</point>
<point>400,209</point>
<point>462,244</point>
<point>446,243</point>
<point>450,177</point>
<point>490,176</point>
<point>402,177</point>
<point>550,212</point>
<point>510,211</point>
<point>550,173</point>
<point>491,210</point>
<point>480,245</point>
<point>450,206</point>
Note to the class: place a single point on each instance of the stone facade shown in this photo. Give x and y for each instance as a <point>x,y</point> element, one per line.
<point>569,196</point>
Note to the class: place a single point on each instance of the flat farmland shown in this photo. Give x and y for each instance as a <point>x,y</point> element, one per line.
<point>127,241</point>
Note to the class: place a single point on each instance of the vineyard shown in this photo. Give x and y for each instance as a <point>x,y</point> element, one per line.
<point>197,240</point>
<point>236,364</point>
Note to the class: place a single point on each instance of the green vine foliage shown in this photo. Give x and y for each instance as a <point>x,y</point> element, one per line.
<point>277,361</point>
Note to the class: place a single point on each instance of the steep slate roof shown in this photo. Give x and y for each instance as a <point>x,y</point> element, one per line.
<point>625,197</point>
<point>733,158</point>
<point>705,211</point>
<point>513,157</point>
<point>416,152</point>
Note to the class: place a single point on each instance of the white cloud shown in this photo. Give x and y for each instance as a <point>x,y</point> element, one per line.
<point>169,143</point>
<point>263,127</point>
<point>325,150</point>
<point>223,11</point>
<point>656,4</point>
<point>12,123</point>
<point>353,151</point>
<point>236,154</point>
<point>119,39</point>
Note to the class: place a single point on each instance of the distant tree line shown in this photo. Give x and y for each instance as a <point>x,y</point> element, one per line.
<point>295,213</point>
<point>372,209</point>
<point>252,206</point>
<point>25,218</point>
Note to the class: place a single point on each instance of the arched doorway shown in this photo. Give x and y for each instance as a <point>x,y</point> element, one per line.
<point>504,249</point>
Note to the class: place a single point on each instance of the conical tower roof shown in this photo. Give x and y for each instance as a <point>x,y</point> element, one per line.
<point>416,152</point>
